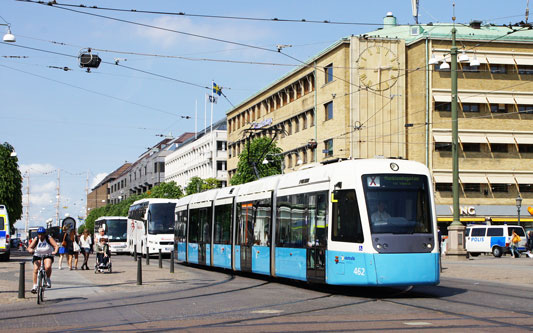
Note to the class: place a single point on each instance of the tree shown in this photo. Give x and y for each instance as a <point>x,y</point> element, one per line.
<point>166,190</point>
<point>10,183</point>
<point>254,154</point>
<point>197,184</point>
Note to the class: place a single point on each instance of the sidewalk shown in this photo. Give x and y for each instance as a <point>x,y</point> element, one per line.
<point>490,269</point>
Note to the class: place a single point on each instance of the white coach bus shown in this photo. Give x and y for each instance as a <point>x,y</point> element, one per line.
<point>151,226</point>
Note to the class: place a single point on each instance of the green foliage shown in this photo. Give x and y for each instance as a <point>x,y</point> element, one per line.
<point>164,190</point>
<point>259,149</point>
<point>197,184</point>
<point>10,183</point>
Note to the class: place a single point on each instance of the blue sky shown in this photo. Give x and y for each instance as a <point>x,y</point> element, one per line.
<point>90,123</point>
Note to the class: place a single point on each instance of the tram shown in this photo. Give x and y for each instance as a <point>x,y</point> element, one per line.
<point>368,222</point>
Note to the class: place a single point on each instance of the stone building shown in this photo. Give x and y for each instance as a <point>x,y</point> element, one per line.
<point>381,94</point>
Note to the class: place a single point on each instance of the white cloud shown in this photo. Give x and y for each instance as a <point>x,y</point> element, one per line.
<point>45,187</point>
<point>98,178</point>
<point>37,168</point>
<point>238,32</point>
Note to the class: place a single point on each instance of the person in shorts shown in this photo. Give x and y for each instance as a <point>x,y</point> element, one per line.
<point>42,245</point>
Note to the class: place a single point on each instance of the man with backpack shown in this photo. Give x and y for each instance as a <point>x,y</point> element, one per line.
<point>42,245</point>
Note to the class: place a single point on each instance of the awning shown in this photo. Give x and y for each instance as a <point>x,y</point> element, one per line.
<point>472,98</point>
<point>462,219</point>
<point>442,97</point>
<point>443,178</point>
<point>473,179</point>
<point>442,137</point>
<point>500,99</point>
<point>524,60</point>
<point>527,100</point>
<point>502,138</point>
<point>500,59</point>
<point>501,179</point>
<point>524,179</point>
<point>472,138</point>
<point>523,139</point>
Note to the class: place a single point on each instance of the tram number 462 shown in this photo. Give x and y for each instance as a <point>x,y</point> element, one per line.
<point>359,271</point>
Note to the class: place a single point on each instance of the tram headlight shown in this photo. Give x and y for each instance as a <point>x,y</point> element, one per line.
<point>378,246</point>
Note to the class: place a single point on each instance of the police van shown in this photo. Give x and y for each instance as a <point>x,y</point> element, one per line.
<point>4,234</point>
<point>495,239</point>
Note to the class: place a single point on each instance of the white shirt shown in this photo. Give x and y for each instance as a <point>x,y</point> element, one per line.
<point>380,216</point>
<point>43,248</point>
<point>86,243</point>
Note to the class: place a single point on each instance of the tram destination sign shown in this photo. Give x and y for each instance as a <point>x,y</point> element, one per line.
<point>395,181</point>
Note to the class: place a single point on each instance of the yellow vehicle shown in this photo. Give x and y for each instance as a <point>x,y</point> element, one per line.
<point>5,249</point>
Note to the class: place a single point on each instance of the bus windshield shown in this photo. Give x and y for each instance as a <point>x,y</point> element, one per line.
<point>116,230</point>
<point>398,204</point>
<point>161,218</point>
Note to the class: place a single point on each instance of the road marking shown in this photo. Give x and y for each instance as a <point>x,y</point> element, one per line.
<point>417,323</point>
<point>267,311</point>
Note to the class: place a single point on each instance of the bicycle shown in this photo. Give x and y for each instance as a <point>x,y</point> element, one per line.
<point>41,281</point>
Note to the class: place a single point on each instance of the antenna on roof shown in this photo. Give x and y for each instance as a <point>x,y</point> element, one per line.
<point>414,4</point>
<point>527,11</point>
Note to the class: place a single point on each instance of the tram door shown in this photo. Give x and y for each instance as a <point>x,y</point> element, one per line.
<point>246,235</point>
<point>317,235</point>
<point>205,234</point>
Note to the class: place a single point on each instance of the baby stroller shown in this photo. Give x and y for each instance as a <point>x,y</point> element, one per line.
<point>103,263</point>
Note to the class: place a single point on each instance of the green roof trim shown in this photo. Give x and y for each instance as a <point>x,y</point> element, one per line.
<point>444,31</point>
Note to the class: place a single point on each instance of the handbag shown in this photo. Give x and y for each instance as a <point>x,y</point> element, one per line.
<point>64,242</point>
<point>76,247</point>
<point>62,250</point>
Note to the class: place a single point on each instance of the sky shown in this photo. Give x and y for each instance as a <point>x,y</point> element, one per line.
<point>87,124</point>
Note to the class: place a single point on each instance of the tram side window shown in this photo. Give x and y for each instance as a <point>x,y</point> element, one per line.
<point>291,219</point>
<point>181,226</point>
<point>245,224</point>
<point>223,217</point>
<point>262,214</point>
<point>194,225</point>
<point>346,218</point>
<point>204,234</point>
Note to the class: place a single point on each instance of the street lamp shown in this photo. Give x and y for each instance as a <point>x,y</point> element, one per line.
<point>9,37</point>
<point>518,206</point>
<point>282,160</point>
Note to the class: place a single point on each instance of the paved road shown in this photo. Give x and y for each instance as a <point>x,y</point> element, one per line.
<point>201,300</point>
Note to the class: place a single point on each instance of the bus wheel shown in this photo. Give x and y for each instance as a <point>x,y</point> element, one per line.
<point>497,251</point>
<point>474,254</point>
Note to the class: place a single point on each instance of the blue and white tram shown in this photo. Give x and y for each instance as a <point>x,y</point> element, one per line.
<point>358,222</point>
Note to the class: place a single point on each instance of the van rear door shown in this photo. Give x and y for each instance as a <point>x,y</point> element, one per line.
<point>520,232</point>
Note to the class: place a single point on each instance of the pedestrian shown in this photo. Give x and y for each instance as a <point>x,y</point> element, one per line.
<point>515,239</point>
<point>529,244</point>
<point>63,249</point>
<point>73,248</point>
<point>85,243</point>
<point>101,232</point>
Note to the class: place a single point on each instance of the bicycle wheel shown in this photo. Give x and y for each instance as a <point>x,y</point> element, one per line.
<point>40,287</point>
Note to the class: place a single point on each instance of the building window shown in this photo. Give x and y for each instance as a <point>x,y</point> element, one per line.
<point>329,73</point>
<point>525,188</point>
<point>498,108</point>
<point>525,148</point>
<point>312,152</point>
<point>304,121</point>
<point>443,106</point>
<point>328,109</point>
<point>289,127</point>
<point>468,187</point>
<point>525,69</point>
<point>221,165</point>
<point>468,68</point>
<point>289,161</point>
<point>221,145</point>
<point>470,107</point>
<point>499,148</point>
<point>525,108</point>
<point>471,147</point>
<point>500,188</point>
<point>443,187</point>
<point>311,118</point>
<point>328,148</point>
<point>443,146</point>
<point>498,69</point>
<point>296,124</point>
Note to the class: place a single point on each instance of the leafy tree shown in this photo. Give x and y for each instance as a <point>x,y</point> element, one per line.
<point>166,190</point>
<point>10,183</point>
<point>254,154</point>
<point>197,184</point>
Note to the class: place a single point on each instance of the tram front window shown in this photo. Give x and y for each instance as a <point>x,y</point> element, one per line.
<point>398,204</point>
<point>161,218</point>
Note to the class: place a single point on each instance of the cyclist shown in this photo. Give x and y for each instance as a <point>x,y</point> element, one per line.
<point>42,245</point>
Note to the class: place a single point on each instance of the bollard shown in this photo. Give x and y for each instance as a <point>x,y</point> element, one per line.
<point>160,259</point>
<point>22,287</point>
<point>139,272</point>
<point>147,256</point>
<point>135,252</point>
<point>172,262</point>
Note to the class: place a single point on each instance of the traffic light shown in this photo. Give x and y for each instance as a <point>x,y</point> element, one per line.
<point>89,60</point>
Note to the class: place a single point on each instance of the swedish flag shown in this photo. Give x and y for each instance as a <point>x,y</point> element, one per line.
<point>217,89</point>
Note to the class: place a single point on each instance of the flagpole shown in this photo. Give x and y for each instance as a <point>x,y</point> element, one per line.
<point>212,99</point>
<point>205,112</point>
<point>196,120</point>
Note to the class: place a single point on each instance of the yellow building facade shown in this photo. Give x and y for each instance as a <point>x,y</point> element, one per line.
<point>384,93</point>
